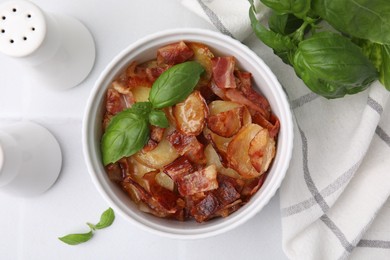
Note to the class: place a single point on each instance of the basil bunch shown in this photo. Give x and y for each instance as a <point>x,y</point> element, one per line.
<point>331,63</point>
<point>128,131</point>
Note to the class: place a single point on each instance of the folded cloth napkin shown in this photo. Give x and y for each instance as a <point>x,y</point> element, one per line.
<point>335,197</point>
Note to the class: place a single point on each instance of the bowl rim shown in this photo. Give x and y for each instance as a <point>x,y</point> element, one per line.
<point>87,128</point>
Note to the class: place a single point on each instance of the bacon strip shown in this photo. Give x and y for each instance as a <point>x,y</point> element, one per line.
<point>205,208</point>
<point>244,80</point>
<point>223,72</point>
<point>187,145</point>
<point>116,102</point>
<point>199,181</point>
<point>178,167</point>
<point>237,96</point>
<point>174,53</point>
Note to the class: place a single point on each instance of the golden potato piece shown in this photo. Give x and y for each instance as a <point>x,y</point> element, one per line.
<point>262,150</point>
<point>141,94</point>
<point>213,159</point>
<point>190,115</point>
<point>160,156</point>
<point>219,106</point>
<point>203,55</point>
<point>221,143</point>
<point>237,151</point>
<point>165,181</point>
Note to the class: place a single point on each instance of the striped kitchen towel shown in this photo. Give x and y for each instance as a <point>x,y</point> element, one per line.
<point>335,197</point>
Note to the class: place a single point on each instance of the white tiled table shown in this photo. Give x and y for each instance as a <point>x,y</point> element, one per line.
<point>29,227</point>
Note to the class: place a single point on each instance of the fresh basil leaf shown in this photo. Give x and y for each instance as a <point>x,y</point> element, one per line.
<point>297,7</point>
<point>332,66</point>
<point>366,19</point>
<point>175,84</point>
<point>384,73</point>
<point>281,44</point>
<point>158,118</point>
<point>284,24</point>
<point>372,51</point>
<point>106,219</point>
<point>125,135</point>
<point>75,239</point>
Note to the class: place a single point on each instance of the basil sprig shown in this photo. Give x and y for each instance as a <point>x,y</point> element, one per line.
<point>106,219</point>
<point>331,63</point>
<point>128,131</point>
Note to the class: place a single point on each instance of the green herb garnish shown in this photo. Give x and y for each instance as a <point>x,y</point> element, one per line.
<point>336,62</point>
<point>106,219</point>
<point>128,131</point>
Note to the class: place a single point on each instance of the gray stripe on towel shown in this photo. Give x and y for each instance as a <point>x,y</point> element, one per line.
<point>327,191</point>
<point>303,100</point>
<point>375,105</point>
<point>374,243</point>
<point>215,19</point>
<point>383,135</point>
<point>318,197</point>
<point>340,235</point>
<point>309,181</point>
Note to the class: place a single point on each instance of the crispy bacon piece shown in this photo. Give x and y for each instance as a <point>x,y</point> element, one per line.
<point>226,192</point>
<point>178,167</point>
<point>114,172</point>
<point>217,91</point>
<point>136,75</point>
<point>161,206</point>
<point>156,133</point>
<point>244,82</point>
<point>223,72</point>
<point>252,186</point>
<point>164,197</point>
<point>228,209</point>
<point>226,123</point>
<point>116,102</point>
<point>149,146</point>
<point>187,145</point>
<point>219,202</point>
<point>205,208</point>
<point>198,181</point>
<point>174,53</point>
<point>272,125</point>
<point>237,96</point>
<point>154,72</point>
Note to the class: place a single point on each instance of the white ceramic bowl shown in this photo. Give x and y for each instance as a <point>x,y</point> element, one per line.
<point>145,49</point>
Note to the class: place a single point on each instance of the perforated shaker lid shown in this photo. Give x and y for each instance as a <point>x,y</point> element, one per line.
<point>22,28</point>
